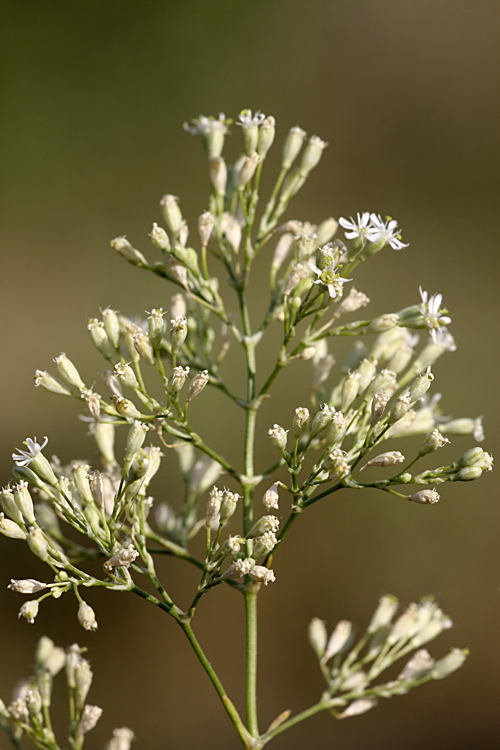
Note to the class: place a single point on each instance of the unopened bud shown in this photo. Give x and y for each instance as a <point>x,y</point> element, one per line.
<point>387,459</point>
<point>278,436</point>
<point>336,430</point>
<point>312,154</point>
<point>383,323</point>
<point>126,375</point>
<point>293,144</point>
<point>379,403</point>
<point>197,384</point>
<point>271,497</point>
<point>68,371</point>
<point>467,474</point>
<point>338,639</point>
<point>425,497</point>
<point>100,338</point>
<point>326,230</point>
<point>172,213</point>
<point>26,586</point>
<point>449,663</point>
<point>248,170</point>
<point>86,617</point>
<point>156,326</point>
<point>300,421</point>
<point>421,385</point>
<point>383,614</point>
<point>213,506</point>
<point>400,408</point>
<point>432,442</point>
<point>178,333</point>
<point>177,379</point>
<point>24,501</point>
<point>10,507</point>
<point>126,408</point>
<point>350,388</point>
<point>263,525</point>
<point>11,529</point>
<point>125,249</point>
<point>29,611</point>
<point>266,136</point>
<point>205,227</point>
<point>38,544</point>
<point>228,506</point>
<point>218,175</point>
<point>318,636</point>
<point>144,347</point>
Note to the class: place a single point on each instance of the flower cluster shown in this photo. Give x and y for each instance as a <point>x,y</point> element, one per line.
<point>155,369</point>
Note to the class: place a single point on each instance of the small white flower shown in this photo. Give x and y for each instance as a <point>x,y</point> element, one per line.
<point>329,278</point>
<point>24,458</point>
<point>387,232</point>
<point>360,229</point>
<point>248,120</point>
<point>430,309</point>
<point>204,125</point>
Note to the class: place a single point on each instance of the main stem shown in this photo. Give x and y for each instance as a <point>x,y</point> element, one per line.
<point>251,594</point>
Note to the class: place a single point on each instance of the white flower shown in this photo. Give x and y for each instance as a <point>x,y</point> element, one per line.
<point>24,458</point>
<point>247,120</point>
<point>329,278</point>
<point>203,125</point>
<point>387,232</point>
<point>430,309</point>
<point>361,229</point>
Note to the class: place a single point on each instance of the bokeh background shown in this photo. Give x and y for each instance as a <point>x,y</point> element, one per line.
<point>93,97</point>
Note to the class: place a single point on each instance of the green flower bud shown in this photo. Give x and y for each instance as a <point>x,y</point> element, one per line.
<point>172,213</point>
<point>125,249</point>
<point>111,326</point>
<point>293,144</point>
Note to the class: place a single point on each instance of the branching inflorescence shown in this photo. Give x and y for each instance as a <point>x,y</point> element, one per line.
<point>382,394</point>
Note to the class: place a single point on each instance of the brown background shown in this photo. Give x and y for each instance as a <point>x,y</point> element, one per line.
<point>406,93</point>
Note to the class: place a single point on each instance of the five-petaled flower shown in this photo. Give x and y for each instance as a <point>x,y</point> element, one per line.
<point>362,228</point>
<point>329,277</point>
<point>430,309</point>
<point>387,232</point>
<point>24,458</point>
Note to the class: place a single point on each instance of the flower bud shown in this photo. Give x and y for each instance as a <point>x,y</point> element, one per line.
<point>126,408</point>
<point>379,403</point>
<point>387,459</point>
<point>338,639</point>
<point>470,457</point>
<point>177,379</point>
<point>326,231</point>
<point>354,301</point>
<point>261,574</point>
<point>125,249</point>
<point>425,497</point>
<point>90,717</point>
<point>263,525</point>
<point>86,617</point>
<point>271,497</point>
<point>231,228</point>
<point>300,421</point>
<point>218,175</point>
<point>68,371</point>
<point>383,614</point>
<point>318,636</point>
<point>100,337</point>
<point>10,507</point>
<point>24,501</point>
<point>400,408</point>
<point>143,347</point>
<point>26,586</point>
<point>34,703</point>
<point>384,381</point>
<point>350,389</point>
<point>11,529</point>
<point>383,323</point>
<point>312,154</point>
<point>421,385</point>
<point>38,544</point>
<point>322,419</point>
<point>432,442</point>
<point>205,227</point>
<point>467,474</point>
<point>336,430</point>
<point>465,426</point>
<point>264,544</point>
<point>449,663</point>
<point>93,403</point>
<point>160,238</point>
<point>50,383</point>
<point>228,506</point>
<point>293,144</point>
<point>135,440</point>
<point>266,136</point>
<point>172,213</point>
<point>29,611</point>
<point>278,436</point>
<point>130,332</point>
<point>297,274</point>
<point>126,375</point>
<point>197,384</point>
<point>213,506</point>
<point>123,558</point>
<point>178,333</point>
<point>156,326</point>
<point>248,170</point>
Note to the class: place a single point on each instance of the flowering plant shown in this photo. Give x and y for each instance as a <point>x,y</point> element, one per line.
<point>381,393</point>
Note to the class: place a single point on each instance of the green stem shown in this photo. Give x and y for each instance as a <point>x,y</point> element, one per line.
<point>251,661</point>
<point>296,719</point>
<point>228,705</point>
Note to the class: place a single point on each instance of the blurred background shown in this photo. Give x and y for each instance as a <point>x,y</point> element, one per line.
<point>93,97</point>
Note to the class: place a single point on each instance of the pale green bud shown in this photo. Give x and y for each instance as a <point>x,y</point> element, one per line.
<point>177,379</point>
<point>383,323</point>
<point>293,144</point>
<point>379,403</point>
<point>391,458</point>
<point>160,238</point>
<point>336,430</point>
<point>83,677</point>
<point>126,408</point>
<point>178,333</point>
<point>400,408</point>
<point>425,497</point>
<point>266,136</point>
<point>264,544</point>
<point>464,426</point>
<point>326,230</point>
<point>263,525</point>
<point>135,440</point>
<point>470,457</point>
<point>338,640</point>
<point>383,614</point>
<point>34,703</point>
<point>278,436</point>
<point>322,419</point>
<point>300,421</point>
<point>86,618</point>
<point>50,383</point>
<point>29,611</point>
<point>213,506</point>
<point>291,185</point>
<point>111,326</point>
<point>125,249</point>
<point>248,169</point>
<point>228,506</point>
<point>367,370</point>
<point>144,347</point>
<point>205,228</point>
<point>384,381</point>
<point>68,371</point>
<point>432,442</point>
<point>104,435</point>
<point>24,502</point>
<point>197,384</point>
<point>218,175</point>
<point>350,389</point>
<point>318,636</point>
<point>10,507</point>
<point>126,375</point>
<point>312,154</point>
<point>450,663</point>
<point>467,474</point>
<point>421,385</point>
<point>44,650</point>
<point>11,529</point>
<point>38,544</point>
<point>172,213</point>
<point>100,338</point>
<point>400,359</point>
<point>156,326</point>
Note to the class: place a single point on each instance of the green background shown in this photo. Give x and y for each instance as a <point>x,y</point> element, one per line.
<point>93,97</point>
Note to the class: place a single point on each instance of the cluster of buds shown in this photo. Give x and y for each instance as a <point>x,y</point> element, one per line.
<point>350,668</point>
